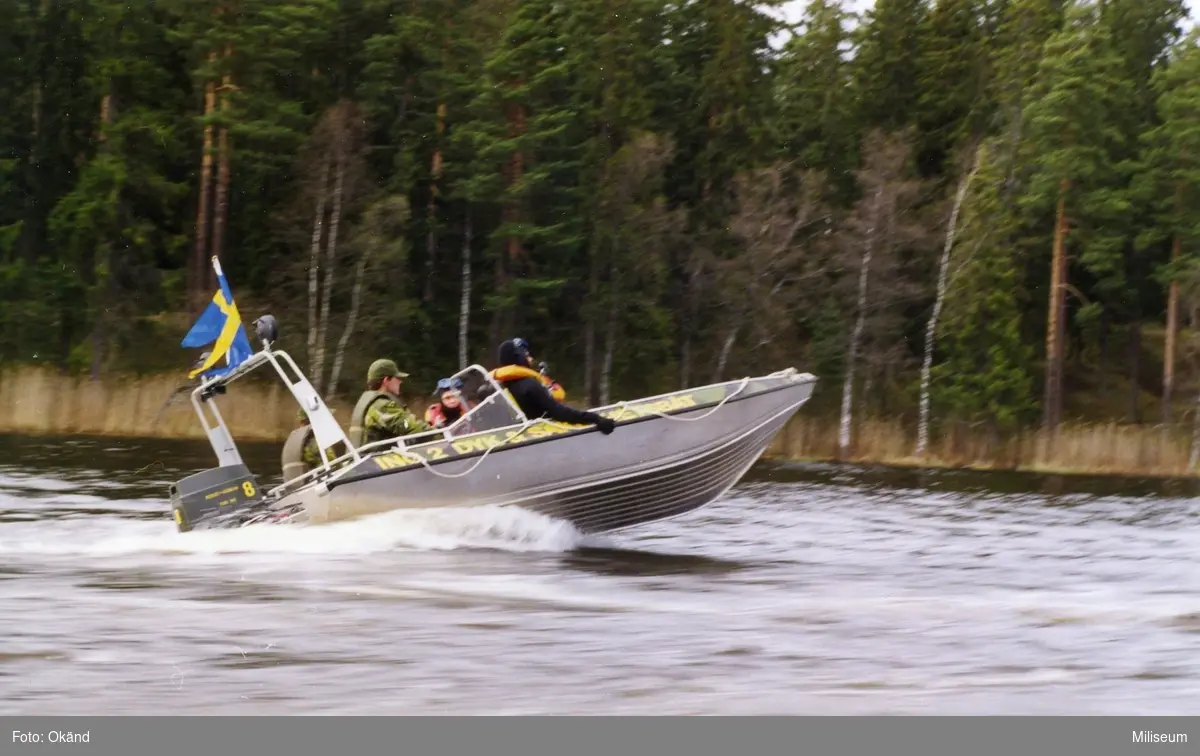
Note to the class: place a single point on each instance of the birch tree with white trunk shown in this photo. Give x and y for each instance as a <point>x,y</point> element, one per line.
<point>464,306</point>
<point>377,242</point>
<point>314,258</point>
<point>332,171</point>
<point>964,185</point>
<point>882,224</point>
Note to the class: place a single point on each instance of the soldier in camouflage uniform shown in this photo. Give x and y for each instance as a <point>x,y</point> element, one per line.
<point>311,455</point>
<point>300,453</point>
<point>379,413</point>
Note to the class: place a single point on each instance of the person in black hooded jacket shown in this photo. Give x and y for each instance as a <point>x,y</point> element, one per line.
<point>533,392</point>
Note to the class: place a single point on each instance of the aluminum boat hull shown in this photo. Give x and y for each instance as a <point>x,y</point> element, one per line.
<point>668,456</point>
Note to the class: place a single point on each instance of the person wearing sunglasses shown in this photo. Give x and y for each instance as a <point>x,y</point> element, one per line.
<point>450,405</point>
<point>535,393</point>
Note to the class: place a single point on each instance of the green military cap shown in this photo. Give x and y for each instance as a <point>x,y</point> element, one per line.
<point>384,369</point>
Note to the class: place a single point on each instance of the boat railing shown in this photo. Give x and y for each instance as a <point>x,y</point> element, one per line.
<point>685,391</point>
<point>326,430</point>
<point>518,418</point>
<point>480,417</point>
<point>496,398</point>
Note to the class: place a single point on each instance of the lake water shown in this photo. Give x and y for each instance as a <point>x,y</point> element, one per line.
<point>807,590</point>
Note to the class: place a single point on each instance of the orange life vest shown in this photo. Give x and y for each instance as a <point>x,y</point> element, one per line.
<point>510,373</point>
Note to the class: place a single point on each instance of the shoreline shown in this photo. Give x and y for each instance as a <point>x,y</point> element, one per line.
<point>933,466</point>
<point>1078,449</point>
<point>40,402</point>
<point>771,455</point>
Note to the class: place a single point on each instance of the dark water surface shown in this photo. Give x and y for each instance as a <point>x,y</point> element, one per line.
<point>808,589</point>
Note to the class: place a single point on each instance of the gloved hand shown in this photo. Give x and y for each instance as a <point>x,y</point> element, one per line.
<point>606,425</point>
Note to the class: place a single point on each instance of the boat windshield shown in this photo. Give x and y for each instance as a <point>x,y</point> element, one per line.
<point>487,408</point>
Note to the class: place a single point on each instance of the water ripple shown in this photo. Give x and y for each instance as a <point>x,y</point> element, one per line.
<point>809,589</point>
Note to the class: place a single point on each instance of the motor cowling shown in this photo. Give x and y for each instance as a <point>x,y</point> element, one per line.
<point>208,499</point>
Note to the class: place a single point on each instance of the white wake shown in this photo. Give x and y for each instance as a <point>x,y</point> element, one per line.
<point>490,527</point>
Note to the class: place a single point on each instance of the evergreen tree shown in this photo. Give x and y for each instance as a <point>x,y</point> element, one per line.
<point>119,224</point>
<point>1023,29</point>
<point>887,75</point>
<point>984,376</point>
<point>526,138</point>
<point>816,110</point>
<point>260,61</point>
<point>1076,129</point>
<point>595,175</point>
<point>1169,183</point>
<point>618,70</point>
<point>722,65</point>
<point>1141,34</point>
<point>952,80</point>
<point>16,122</point>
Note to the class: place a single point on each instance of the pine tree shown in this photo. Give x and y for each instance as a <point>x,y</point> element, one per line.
<point>952,104</point>
<point>814,90</point>
<point>1169,183</point>
<point>1076,130</point>
<point>887,69</point>
<point>261,59</point>
<point>118,219</point>
<point>722,65</point>
<point>16,122</point>
<point>1141,34</point>
<point>1023,29</point>
<point>525,135</point>
<point>615,103</point>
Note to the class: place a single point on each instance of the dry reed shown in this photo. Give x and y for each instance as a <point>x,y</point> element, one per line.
<point>1097,448</point>
<point>40,401</point>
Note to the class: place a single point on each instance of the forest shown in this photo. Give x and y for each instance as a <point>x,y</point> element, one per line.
<point>979,214</point>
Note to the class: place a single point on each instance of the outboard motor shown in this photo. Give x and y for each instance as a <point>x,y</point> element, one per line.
<point>211,497</point>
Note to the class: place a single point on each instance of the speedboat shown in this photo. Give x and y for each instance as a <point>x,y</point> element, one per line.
<point>668,455</point>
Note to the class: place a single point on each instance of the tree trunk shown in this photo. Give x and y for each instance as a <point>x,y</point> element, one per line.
<point>1135,359</point>
<point>464,307</point>
<point>931,327</point>
<point>222,202</point>
<point>610,341</point>
<point>351,318</point>
<point>865,408</point>
<point>314,261</point>
<point>691,313</point>
<point>685,360</point>
<point>1194,457</point>
<point>726,348</point>
<point>856,335</point>
<point>501,288</point>
<point>100,295</point>
<point>510,214</point>
<point>431,236</point>
<point>589,325</point>
<point>200,257</point>
<point>1104,342</point>
<point>1055,319</point>
<point>1172,335</point>
<point>516,171</point>
<point>335,218</point>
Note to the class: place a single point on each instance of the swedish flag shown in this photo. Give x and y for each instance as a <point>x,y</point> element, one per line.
<point>220,322</point>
